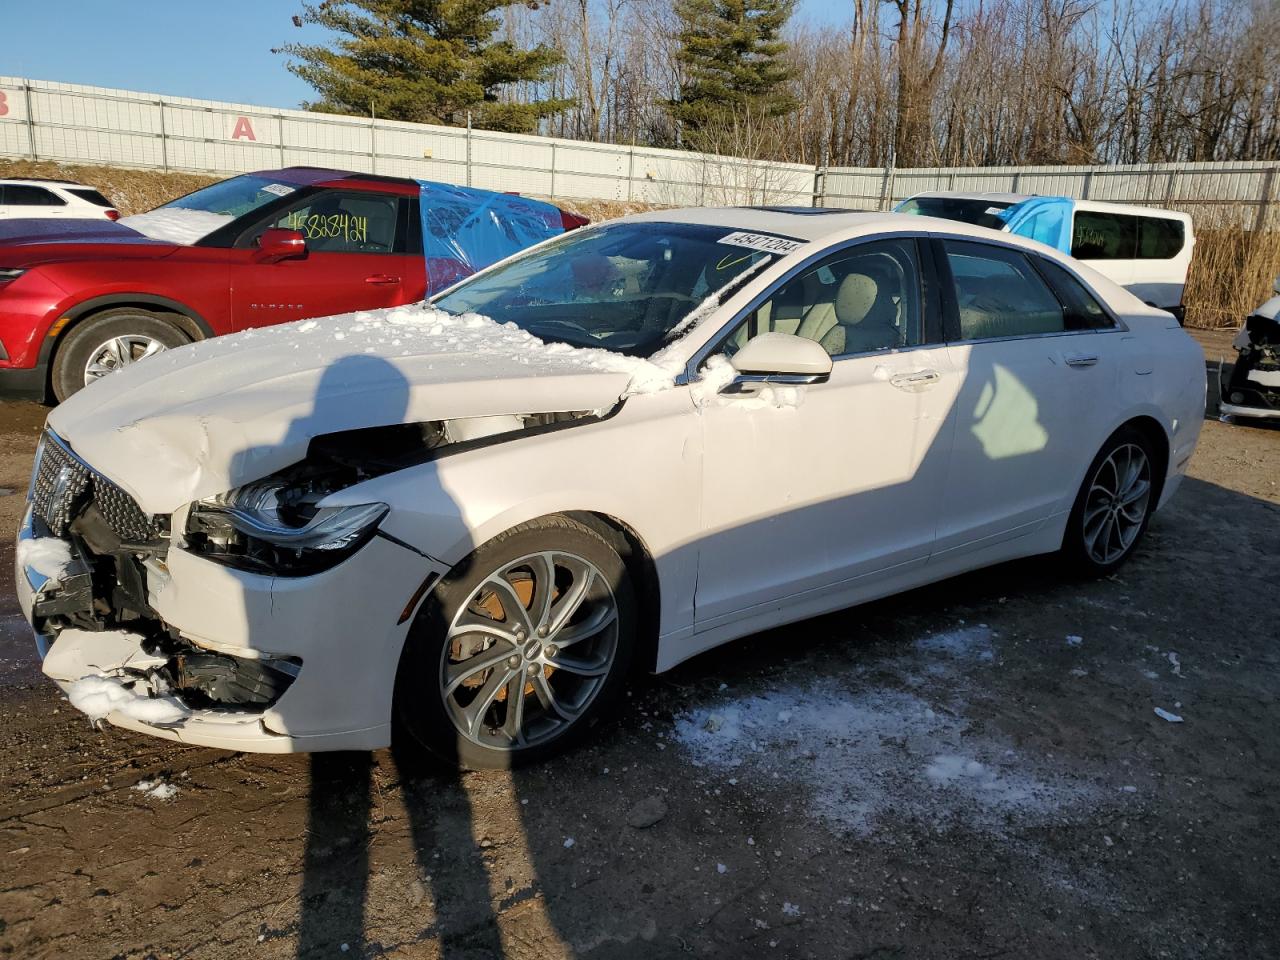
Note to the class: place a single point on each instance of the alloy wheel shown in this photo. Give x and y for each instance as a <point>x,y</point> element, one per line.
<point>1116,504</point>
<point>119,352</point>
<point>529,650</point>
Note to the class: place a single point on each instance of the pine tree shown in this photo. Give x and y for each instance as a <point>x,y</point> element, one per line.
<point>427,61</point>
<point>731,52</point>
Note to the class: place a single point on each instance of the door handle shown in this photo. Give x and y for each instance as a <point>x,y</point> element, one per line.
<point>1082,360</point>
<point>915,380</point>
<point>381,278</point>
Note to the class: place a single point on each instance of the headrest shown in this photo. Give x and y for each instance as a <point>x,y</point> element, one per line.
<point>855,298</point>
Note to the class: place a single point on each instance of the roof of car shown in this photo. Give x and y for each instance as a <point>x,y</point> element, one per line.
<point>804,223</point>
<point>325,176</point>
<point>1110,206</point>
<point>41,182</point>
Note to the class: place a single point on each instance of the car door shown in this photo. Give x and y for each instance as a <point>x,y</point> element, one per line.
<point>356,259</point>
<point>1034,383</point>
<point>838,483</point>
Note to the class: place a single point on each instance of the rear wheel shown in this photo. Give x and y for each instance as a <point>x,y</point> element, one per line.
<point>107,342</point>
<point>521,650</point>
<point>1114,505</point>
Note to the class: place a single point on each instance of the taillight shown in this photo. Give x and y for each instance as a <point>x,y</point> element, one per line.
<point>113,214</point>
<point>572,221</point>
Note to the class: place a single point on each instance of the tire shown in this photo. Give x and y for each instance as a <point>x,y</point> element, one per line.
<point>457,681</point>
<point>138,330</point>
<point>1114,505</point>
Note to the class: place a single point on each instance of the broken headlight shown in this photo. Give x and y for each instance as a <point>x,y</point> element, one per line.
<point>279,528</point>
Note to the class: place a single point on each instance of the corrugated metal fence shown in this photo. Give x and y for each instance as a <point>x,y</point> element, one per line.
<point>80,124</point>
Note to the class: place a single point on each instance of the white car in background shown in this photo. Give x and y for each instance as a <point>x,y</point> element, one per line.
<point>53,200</point>
<point>621,447</point>
<point>1146,250</point>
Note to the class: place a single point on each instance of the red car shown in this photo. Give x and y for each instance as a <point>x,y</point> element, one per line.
<point>79,300</point>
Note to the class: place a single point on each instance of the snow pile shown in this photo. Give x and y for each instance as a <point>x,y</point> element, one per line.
<point>865,754</point>
<point>96,696</point>
<point>48,556</point>
<point>156,789</point>
<point>177,225</point>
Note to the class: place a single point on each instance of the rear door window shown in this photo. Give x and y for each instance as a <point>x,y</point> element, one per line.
<point>19,195</point>
<point>999,294</point>
<point>1159,238</point>
<point>91,195</point>
<point>1097,235</point>
<point>1082,309</point>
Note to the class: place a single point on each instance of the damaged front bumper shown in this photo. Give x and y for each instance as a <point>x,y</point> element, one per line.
<point>254,662</point>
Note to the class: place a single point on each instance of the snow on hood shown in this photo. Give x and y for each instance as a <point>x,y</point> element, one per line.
<point>176,224</point>
<point>202,419</point>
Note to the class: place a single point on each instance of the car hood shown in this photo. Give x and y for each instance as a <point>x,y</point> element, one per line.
<point>26,243</point>
<point>208,417</point>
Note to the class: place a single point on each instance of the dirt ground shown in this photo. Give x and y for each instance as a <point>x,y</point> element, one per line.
<point>974,769</point>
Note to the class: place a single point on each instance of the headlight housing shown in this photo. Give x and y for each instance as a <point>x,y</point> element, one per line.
<point>279,528</point>
<point>10,273</point>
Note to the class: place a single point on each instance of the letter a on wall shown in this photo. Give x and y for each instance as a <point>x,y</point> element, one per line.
<point>243,130</point>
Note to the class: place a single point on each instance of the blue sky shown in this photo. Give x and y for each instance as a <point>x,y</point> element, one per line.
<point>218,50</point>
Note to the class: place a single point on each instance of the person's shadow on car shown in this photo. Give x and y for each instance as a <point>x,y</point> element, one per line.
<point>336,860</point>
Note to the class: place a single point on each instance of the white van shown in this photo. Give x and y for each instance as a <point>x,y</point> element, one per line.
<point>1144,249</point>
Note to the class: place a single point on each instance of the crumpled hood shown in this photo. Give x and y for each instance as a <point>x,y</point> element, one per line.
<point>205,418</point>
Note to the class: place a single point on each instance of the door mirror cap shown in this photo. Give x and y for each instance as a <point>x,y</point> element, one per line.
<point>278,244</point>
<point>783,355</point>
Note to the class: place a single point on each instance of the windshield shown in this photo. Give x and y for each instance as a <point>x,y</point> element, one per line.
<point>625,287</point>
<point>233,198</point>
<point>195,216</point>
<point>979,212</point>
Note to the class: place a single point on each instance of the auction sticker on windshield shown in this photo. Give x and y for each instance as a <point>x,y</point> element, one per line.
<point>762,241</point>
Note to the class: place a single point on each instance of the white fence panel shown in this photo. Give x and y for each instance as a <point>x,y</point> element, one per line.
<point>83,124</point>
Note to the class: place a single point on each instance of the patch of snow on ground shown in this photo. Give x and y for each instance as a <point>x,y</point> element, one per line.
<point>96,696</point>
<point>176,224</point>
<point>46,555</point>
<point>865,754</point>
<point>156,789</point>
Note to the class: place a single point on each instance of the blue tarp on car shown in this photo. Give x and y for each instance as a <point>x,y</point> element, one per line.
<point>465,229</point>
<point>1047,219</point>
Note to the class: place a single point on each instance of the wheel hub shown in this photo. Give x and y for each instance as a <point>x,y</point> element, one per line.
<point>529,650</point>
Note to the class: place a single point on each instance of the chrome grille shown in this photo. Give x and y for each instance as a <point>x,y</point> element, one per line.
<point>63,485</point>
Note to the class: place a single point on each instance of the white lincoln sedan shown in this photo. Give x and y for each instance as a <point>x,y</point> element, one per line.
<point>471,518</point>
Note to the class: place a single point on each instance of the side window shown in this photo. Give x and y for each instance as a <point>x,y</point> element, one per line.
<point>1159,238</point>
<point>1104,236</point>
<point>18,195</point>
<point>861,300</point>
<point>999,293</point>
<point>334,221</point>
<point>1083,312</point>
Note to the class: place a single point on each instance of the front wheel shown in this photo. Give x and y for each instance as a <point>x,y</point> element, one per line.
<point>107,342</point>
<point>1113,506</point>
<point>521,649</point>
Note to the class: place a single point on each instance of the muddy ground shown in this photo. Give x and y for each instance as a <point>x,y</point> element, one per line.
<point>973,769</point>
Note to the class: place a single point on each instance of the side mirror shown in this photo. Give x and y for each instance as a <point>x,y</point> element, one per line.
<point>278,244</point>
<point>1276,285</point>
<point>782,358</point>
